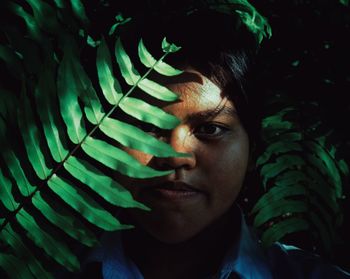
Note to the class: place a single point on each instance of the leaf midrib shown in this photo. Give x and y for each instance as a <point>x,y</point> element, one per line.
<point>27,199</point>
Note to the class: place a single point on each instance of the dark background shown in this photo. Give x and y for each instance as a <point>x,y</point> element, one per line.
<point>308,59</point>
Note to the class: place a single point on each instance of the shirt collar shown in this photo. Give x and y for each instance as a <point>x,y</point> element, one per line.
<point>245,257</point>
<point>115,265</point>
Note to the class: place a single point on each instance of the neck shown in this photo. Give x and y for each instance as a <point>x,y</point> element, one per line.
<point>197,257</point>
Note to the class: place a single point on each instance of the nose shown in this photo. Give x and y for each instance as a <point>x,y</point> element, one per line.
<point>180,141</point>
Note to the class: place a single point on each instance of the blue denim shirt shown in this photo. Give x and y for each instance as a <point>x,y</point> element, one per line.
<point>245,258</point>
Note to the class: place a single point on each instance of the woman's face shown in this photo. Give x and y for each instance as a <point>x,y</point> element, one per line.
<point>203,186</point>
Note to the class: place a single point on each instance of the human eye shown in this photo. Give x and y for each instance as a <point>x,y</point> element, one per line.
<point>210,130</point>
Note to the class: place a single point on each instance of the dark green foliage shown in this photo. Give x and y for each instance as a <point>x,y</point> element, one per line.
<point>306,63</point>
<point>57,188</point>
<point>303,175</point>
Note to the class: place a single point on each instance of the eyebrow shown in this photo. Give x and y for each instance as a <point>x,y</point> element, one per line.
<point>211,113</point>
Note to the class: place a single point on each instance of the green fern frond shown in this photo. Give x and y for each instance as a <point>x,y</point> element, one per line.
<point>344,2</point>
<point>254,21</point>
<point>56,184</point>
<point>159,66</point>
<point>30,268</point>
<point>283,227</point>
<point>302,175</point>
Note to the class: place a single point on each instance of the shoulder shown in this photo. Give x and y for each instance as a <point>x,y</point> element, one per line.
<point>291,262</point>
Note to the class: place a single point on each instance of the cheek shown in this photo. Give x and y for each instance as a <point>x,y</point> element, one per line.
<point>225,168</point>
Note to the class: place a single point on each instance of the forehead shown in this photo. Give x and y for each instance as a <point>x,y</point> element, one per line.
<point>197,92</point>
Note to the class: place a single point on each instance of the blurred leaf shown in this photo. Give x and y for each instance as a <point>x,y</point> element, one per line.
<point>44,15</point>
<point>23,252</point>
<point>103,185</point>
<point>79,11</point>
<point>344,2</point>
<point>31,24</point>
<point>56,249</point>
<point>301,174</point>
<point>279,208</point>
<point>65,221</point>
<point>281,164</point>
<point>278,148</point>
<point>282,228</point>
<point>14,166</point>
<point>6,193</point>
<point>84,204</point>
<point>330,165</point>
<point>13,61</point>
<point>16,269</point>
<point>277,194</point>
<point>254,21</point>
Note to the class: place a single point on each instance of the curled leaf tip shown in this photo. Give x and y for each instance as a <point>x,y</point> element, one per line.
<point>169,47</point>
<point>91,42</point>
<point>120,20</point>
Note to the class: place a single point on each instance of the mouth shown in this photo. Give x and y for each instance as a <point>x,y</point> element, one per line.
<point>174,191</point>
<point>176,186</point>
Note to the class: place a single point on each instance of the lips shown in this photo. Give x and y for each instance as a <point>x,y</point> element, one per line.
<point>176,186</point>
<point>174,191</point>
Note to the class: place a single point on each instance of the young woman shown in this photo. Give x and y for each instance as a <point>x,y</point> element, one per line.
<point>195,229</point>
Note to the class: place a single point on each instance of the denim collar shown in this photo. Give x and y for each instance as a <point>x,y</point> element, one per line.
<point>245,257</point>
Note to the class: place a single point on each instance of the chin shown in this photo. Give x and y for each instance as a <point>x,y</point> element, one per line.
<point>172,237</point>
<point>169,229</point>
<point>171,232</point>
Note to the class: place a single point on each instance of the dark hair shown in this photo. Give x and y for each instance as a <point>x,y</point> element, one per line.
<point>218,45</point>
